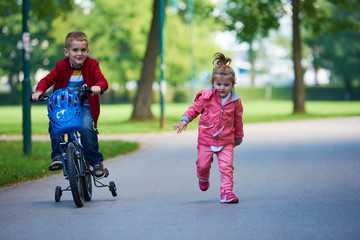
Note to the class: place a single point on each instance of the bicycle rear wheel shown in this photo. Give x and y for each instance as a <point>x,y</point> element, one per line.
<point>74,175</point>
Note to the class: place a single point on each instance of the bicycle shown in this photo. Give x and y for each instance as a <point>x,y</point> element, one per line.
<point>67,121</point>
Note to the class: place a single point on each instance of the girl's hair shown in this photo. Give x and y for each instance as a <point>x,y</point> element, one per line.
<point>78,36</point>
<point>222,67</point>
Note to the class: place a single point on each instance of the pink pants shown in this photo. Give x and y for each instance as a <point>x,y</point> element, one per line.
<point>225,160</point>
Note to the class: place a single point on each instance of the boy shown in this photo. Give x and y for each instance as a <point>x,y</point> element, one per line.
<point>72,72</point>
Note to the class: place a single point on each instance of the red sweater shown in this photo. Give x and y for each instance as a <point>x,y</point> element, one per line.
<point>92,75</point>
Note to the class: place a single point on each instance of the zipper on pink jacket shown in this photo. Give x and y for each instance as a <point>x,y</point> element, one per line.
<point>221,111</point>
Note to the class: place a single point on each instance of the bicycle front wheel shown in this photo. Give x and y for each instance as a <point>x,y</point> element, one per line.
<point>87,185</point>
<point>74,175</point>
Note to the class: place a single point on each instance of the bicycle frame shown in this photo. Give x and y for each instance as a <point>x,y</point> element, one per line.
<point>73,137</point>
<point>76,169</point>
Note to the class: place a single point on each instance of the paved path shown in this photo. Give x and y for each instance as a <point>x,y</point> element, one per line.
<point>295,180</point>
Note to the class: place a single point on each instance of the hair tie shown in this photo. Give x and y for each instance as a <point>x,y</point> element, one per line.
<point>224,66</point>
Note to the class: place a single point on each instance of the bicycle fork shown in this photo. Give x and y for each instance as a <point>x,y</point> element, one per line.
<point>79,164</point>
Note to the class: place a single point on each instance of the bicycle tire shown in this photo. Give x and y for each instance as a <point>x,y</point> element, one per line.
<point>112,188</point>
<point>58,193</point>
<point>74,176</point>
<point>87,184</point>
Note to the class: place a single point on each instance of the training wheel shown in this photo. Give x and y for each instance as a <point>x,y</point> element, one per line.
<point>112,188</point>
<point>58,193</point>
<point>106,173</point>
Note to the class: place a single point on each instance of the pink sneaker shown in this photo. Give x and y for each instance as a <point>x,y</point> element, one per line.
<point>203,184</point>
<point>228,197</point>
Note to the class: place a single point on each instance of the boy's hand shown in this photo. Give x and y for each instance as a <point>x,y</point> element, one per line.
<point>35,96</point>
<point>95,90</point>
<point>181,126</point>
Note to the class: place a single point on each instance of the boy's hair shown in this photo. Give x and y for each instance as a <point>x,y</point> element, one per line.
<point>78,36</point>
<point>222,68</point>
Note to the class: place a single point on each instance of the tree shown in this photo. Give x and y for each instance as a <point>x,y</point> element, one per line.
<point>177,44</point>
<point>143,99</point>
<point>179,36</point>
<point>116,30</point>
<point>11,45</point>
<point>269,13</point>
<point>336,46</point>
<point>307,15</point>
<point>299,94</point>
<point>118,33</point>
<point>252,20</point>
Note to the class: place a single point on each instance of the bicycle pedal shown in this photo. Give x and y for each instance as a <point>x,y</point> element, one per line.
<point>103,176</point>
<point>55,168</point>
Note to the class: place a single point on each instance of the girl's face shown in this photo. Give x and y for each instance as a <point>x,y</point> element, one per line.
<point>223,84</point>
<point>77,52</point>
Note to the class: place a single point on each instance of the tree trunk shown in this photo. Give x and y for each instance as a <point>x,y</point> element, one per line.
<point>252,62</point>
<point>299,94</point>
<point>316,79</point>
<point>143,99</point>
<point>348,87</point>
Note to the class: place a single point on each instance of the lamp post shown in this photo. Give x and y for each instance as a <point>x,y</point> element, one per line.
<point>189,17</point>
<point>162,65</point>
<point>26,82</point>
<point>192,48</point>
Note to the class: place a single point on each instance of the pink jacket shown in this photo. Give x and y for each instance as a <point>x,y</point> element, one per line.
<point>219,125</point>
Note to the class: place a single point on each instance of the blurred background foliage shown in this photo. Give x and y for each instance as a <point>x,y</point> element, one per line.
<point>118,33</point>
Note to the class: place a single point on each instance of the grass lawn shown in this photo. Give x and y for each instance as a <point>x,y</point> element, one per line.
<point>114,119</point>
<point>16,167</point>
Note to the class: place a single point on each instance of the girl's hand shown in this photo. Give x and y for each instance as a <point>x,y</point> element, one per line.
<point>181,126</point>
<point>237,144</point>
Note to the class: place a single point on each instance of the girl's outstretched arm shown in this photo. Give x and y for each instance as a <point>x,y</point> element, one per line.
<point>181,126</point>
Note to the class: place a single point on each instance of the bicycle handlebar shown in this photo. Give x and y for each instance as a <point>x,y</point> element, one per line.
<point>42,98</point>
<point>84,90</point>
<point>81,94</point>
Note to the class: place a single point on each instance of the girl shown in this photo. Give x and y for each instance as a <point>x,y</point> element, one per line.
<point>220,127</point>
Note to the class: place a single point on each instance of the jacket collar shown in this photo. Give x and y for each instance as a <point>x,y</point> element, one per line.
<point>212,91</point>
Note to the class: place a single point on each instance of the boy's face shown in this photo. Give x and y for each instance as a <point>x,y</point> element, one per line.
<point>223,84</point>
<point>77,52</point>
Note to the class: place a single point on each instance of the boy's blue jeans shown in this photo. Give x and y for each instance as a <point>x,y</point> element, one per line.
<point>88,136</point>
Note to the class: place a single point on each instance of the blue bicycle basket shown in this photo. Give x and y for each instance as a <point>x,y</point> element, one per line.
<point>64,111</point>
